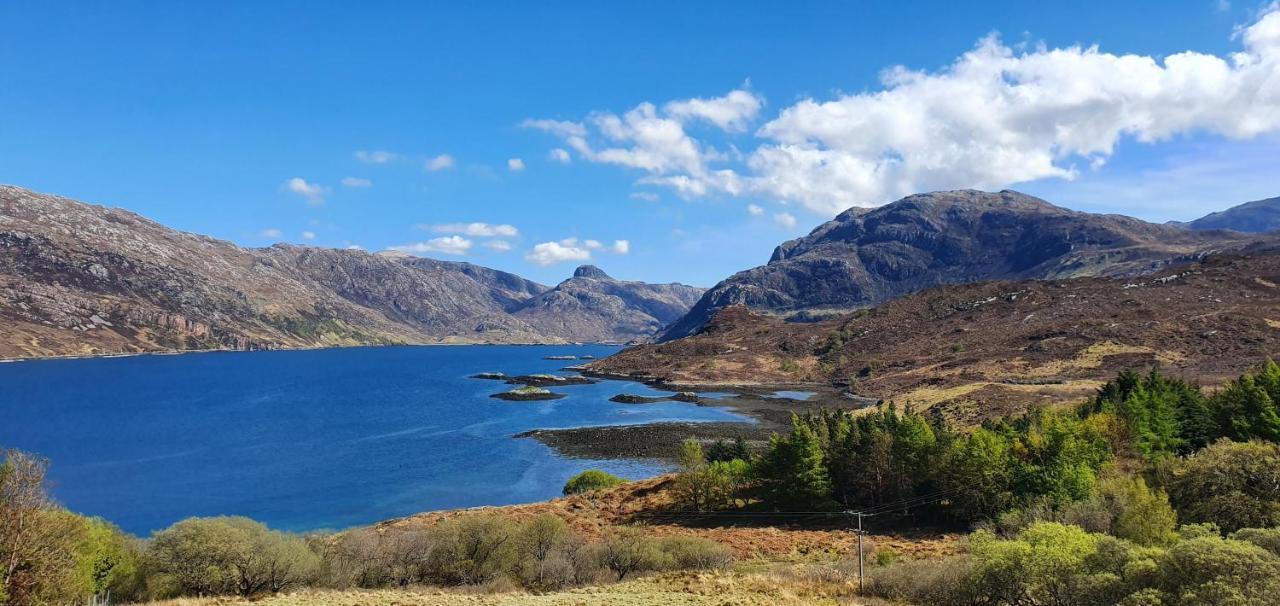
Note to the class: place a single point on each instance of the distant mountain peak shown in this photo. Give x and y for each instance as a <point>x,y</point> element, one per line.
<point>591,271</point>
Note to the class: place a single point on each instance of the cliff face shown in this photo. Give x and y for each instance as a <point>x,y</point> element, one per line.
<point>865,257</point>
<point>592,306</point>
<point>80,279</point>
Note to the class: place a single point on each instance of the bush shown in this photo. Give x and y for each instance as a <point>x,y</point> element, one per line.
<point>1266,538</point>
<point>1232,484</point>
<point>591,480</point>
<point>627,551</point>
<point>949,581</point>
<point>230,555</point>
<point>695,553</point>
<point>1211,570</point>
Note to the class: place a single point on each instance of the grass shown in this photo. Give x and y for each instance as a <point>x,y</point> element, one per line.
<point>781,585</point>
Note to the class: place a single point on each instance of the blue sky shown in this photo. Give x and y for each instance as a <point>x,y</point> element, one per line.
<point>244,120</point>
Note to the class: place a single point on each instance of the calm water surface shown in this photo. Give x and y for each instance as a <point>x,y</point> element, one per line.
<point>306,439</point>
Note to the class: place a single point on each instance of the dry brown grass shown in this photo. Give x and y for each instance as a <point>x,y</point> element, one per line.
<point>780,585</point>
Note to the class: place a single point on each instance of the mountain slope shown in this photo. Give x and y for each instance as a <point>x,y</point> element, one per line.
<point>995,343</point>
<point>80,279</point>
<point>864,257</point>
<point>591,306</point>
<point>1251,217</point>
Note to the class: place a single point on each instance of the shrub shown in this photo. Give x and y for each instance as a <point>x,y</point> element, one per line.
<point>538,541</point>
<point>1211,570</point>
<point>1266,538</point>
<point>695,553</point>
<point>627,551</point>
<point>478,549</point>
<point>948,581</point>
<point>591,480</point>
<point>230,555</point>
<point>1232,484</point>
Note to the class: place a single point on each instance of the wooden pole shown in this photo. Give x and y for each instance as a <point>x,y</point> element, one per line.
<point>861,584</point>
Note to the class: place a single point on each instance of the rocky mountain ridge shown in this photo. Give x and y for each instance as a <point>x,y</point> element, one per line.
<point>79,279</point>
<point>864,257</point>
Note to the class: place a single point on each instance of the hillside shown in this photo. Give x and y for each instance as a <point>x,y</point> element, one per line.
<point>868,256</point>
<point>1251,217</point>
<point>592,306</point>
<point>82,279</point>
<point>1003,343</point>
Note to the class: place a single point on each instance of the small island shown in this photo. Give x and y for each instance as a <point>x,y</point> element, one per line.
<point>684,396</point>
<point>543,380</point>
<point>499,376</point>
<point>560,358</point>
<point>528,393</point>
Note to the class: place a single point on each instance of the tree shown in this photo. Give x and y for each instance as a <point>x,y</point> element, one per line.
<point>1232,484</point>
<point>37,542</point>
<point>231,555</point>
<point>627,551</point>
<point>792,470</point>
<point>591,480</point>
<point>1246,411</point>
<point>978,471</point>
<point>538,540</point>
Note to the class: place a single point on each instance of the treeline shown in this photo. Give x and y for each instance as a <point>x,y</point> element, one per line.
<point>51,556</point>
<point>1152,492</point>
<point>1212,453</point>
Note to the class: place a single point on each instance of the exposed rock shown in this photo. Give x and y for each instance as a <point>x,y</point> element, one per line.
<point>501,376</point>
<point>150,288</point>
<point>542,380</point>
<point>865,257</point>
<point>593,307</point>
<point>528,393</point>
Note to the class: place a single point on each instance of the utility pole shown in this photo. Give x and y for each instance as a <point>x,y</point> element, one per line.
<point>861,583</point>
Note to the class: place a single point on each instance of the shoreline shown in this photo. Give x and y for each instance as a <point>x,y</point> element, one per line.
<point>178,352</point>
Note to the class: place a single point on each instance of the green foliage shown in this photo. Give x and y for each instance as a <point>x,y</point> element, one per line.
<point>1247,409</point>
<point>721,450</point>
<point>1232,484</point>
<point>229,555</point>
<point>591,480</point>
<point>792,472</point>
<point>627,551</point>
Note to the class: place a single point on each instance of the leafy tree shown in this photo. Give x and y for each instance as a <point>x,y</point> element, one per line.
<point>627,551</point>
<point>1232,484</point>
<point>722,450</point>
<point>978,472</point>
<point>1246,410</point>
<point>591,480</point>
<point>230,555</point>
<point>37,542</point>
<point>538,541</point>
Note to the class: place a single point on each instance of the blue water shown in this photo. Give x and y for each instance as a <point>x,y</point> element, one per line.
<point>306,439</point>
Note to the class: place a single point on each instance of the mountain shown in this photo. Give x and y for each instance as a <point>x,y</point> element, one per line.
<point>1251,217</point>
<point>977,350</point>
<point>591,306</point>
<point>869,256</point>
<point>77,278</point>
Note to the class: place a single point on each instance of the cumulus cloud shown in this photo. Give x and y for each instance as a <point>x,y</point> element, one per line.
<point>377,156</point>
<point>515,164</point>
<point>483,230</point>
<point>754,210</point>
<point>449,245</point>
<point>312,192</point>
<point>785,220</point>
<point>270,232</point>
<point>731,112</point>
<point>550,253</point>
<point>308,235</point>
<point>560,155</point>
<point>621,247</point>
<point>439,163</point>
<point>498,245</point>
<point>994,117</point>
<point>355,182</point>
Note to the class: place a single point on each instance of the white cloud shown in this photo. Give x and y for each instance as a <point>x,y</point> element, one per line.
<point>354,247</point>
<point>312,192</point>
<point>647,196</point>
<point>438,163</point>
<point>356,182</point>
<point>997,116</point>
<point>755,210</point>
<point>515,164</point>
<point>731,112</point>
<point>785,220</point>
<point>498,245</point>
<point>270,233</point>
<point>621,247</point>
<point>550,253</point>
<point>308,235</point>
<point>376,156</point>
<point>559,128</point>
<point>560,155</point>
<point>482,230</point>
<point>592,244</point>
<point>449,245</point>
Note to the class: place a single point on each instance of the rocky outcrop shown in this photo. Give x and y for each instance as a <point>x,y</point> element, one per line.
<point>593,307</point>
<point>865,257</point>
<point>79,279</point>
